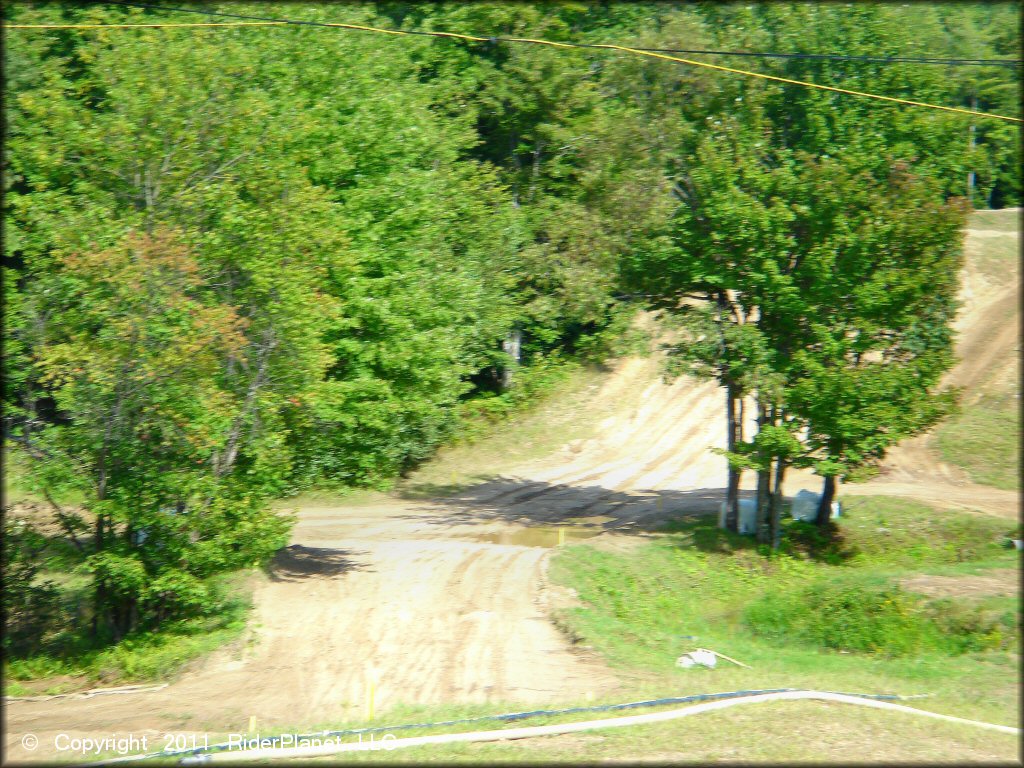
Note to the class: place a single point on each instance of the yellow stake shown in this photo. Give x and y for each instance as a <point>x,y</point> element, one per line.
<point>561,536</point>
<point>252,723</point>
<point>661,504</point>
<point>372,677</point>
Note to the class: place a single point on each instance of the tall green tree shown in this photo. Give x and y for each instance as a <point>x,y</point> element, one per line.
<point>796,259</point>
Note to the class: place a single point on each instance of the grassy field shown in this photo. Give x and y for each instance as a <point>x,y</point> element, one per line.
<point>804,732</point>
<point>985,440</point>
<point>1006,220</point>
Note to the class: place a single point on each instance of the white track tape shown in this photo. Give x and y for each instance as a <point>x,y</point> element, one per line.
<point>94,692</point>
<point>552,730</point>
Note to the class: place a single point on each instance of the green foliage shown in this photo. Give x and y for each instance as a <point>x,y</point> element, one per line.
<point>851,615</point>
<point>143,655</point>
<point>824,590</point>
<point>894,532</point>
<point>820,282</point>
<point>29,603</point>
<point>799,619</point>
<point>478,415</point>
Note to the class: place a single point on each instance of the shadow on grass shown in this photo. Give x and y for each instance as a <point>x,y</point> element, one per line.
<point>419,491</point>
<point>799,539</point>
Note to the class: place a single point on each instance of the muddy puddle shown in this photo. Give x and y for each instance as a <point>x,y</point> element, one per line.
<point>539,536</point>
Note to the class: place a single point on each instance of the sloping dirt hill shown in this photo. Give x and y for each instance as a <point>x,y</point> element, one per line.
<point>659,438</point>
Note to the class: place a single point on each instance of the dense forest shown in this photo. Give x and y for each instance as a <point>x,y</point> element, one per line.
<point>245,261</point>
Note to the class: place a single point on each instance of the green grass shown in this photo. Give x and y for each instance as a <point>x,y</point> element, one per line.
<point>140,657</point>
<point>1002,220</point>
<point>558,414</point>
<point>890,535</point>
<point>857,614</point>
<point>700,581</point>
<point>704,737</point>
<point>985,440</point>
<point>18,487</point>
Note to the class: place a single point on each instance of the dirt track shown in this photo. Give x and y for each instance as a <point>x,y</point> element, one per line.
<point>447,599</point>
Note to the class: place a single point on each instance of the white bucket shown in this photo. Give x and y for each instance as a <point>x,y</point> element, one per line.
<point>805,506</point>
<point>747,524</point>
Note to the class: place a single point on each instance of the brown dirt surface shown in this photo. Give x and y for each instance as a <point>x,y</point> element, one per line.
<point>445,600</point>
<point>440,617</point>
<point>998,581</point>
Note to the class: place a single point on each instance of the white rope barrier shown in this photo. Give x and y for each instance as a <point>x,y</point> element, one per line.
<point>561,728</point>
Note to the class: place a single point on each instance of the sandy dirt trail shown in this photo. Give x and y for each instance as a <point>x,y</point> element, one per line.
<point>447,599</point>
<point>441,617</point>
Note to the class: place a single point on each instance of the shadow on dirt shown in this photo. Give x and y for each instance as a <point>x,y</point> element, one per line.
<point>296,562</point>
<point>532,503</point>
<point>542,508</point>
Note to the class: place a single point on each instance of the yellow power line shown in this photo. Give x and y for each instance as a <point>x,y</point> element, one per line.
<point>133,26</point>
<point>813,85</point>
<point>551,43</point>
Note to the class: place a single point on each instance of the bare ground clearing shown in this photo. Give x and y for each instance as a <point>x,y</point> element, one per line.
<point>446,599</point>
<point>998,581</point>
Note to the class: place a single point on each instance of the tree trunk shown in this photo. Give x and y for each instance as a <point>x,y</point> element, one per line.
<point>538,145</point>
<point>970,148</point>
<point>733,488</point>
<point>511,346</point>
<point>776,504</point>
<point>513,143</point>
<point>99,597</point>
<point>223,464</point>
<point>828,493</point>
<point>764,479</point>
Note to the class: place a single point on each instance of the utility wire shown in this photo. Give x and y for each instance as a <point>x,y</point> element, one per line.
<point>839,57</point>
<point>133,26</point>
<point>551,43</point>
<point>755,54</point>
